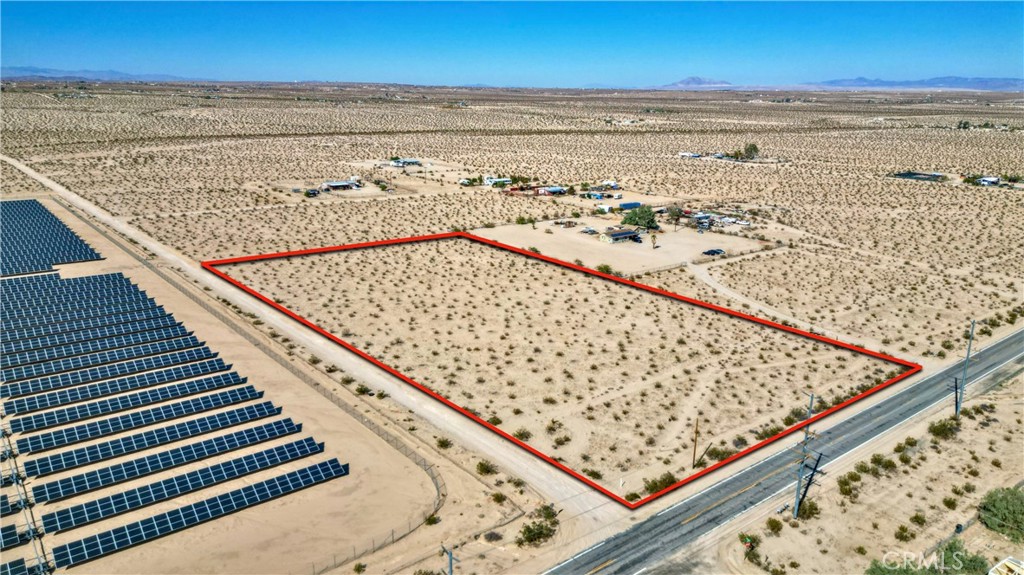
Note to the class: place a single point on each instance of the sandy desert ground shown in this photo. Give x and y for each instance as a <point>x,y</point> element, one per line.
<point>607,378</point>
<point>896,265</point>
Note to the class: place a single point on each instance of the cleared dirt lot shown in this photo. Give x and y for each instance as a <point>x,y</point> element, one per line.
<point>607,378</point>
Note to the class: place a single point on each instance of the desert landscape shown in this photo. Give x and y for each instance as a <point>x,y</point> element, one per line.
<point>609,380</point>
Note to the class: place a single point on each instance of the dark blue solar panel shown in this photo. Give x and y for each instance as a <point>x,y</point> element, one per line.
<point>108,371</point>
<point>100,300</point>
<point>109,387</point>
<point>157,526</point>
<point>9,537</point>
<point>85,361</point>
<point>81,324</point>
<point>16,567</point>
<point>61,296</point>
<point>97,478</point>
<point>85,513</point>
<point>92,346</point>
<point>32,239</point>
<point>76,314</point>
<point>68,435</point>
<point>106,331</point>
<point>6,508</point>
<point>121,446</point>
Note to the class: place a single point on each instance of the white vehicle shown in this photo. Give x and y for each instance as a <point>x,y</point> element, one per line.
<point>617,197</point>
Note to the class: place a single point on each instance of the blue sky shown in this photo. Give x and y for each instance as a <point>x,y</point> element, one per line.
<point>572,44</point>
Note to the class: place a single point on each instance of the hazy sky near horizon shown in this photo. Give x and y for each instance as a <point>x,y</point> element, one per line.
<point>571,44</point>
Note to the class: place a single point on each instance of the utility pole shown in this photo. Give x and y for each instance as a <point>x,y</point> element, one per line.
<point>451,559</point>
<point>803,459</point>
<point>963,380</point>
<point>696,434</point>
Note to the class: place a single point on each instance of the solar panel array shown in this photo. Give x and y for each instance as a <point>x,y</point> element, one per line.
<point>67,436</point>
<point>84,513</point>
<point>33,240</point>
<point>145,440</point>
<point>114,474</point>
<point>89,357</point>
<point>132,534</point>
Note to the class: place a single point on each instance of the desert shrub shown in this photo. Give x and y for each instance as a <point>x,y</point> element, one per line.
<point>809,509</point>
<point>359,568</point>
<point>486,468</point>
<point>444,442</point>
<point>751,542</point>
<point>593,474</point>
<point>632,496</point>
<point>498,498</point>
<point>774,526</point>
<point>944,428</point>
<point>540,530</point>
<point>720,453</point>
<point>492,536</point>
<point>523,434</point>
<point>949,502</point>
<point>361,389</point>
<point>903,533</point>
<point>494,420</point>
<point>432,520</point>
<point>918,519</point>
<point>766,432</point>
<point>1002,510</point>
<point>655,485</point>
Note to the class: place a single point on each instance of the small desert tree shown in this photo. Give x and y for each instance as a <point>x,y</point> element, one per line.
<point>750,152</point>
<point>642,217</point>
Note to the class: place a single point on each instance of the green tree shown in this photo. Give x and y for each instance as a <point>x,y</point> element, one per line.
<point>675,213</point>
<point>750,152</point>
<point>642,217</point>
<point>1002,511</point>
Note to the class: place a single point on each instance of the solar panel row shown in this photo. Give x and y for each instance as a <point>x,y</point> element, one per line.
<point>97,478</point>
<point>124,445</point>
<point>68,290</point>
<point>96,301</point>
<point>69,435</point>
<point>126,536</point>
<point>76,314</point>
<point>32,239</point>
<point>99,358</point>
<point>111,386</point>
<point>53,340</point>
<point>93,346</point>
<point>112,370</point>
<point>52,282</point>
<point>96,510</point>
<point>80,324</point>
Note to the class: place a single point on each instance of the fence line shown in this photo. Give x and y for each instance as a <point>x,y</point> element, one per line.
<point>376,543</point>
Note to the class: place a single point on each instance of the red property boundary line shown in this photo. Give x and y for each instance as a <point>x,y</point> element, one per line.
<point>211,266</point>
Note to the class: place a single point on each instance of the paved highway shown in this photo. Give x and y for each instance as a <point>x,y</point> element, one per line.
<point>645,545</point>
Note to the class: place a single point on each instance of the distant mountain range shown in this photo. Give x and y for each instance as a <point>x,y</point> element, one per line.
<point>941,83</point>
<point>33,73</point>
<point>697,83</point>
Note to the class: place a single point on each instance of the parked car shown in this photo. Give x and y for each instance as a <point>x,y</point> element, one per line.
<point>714,252</point>
<point>588,230</point>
